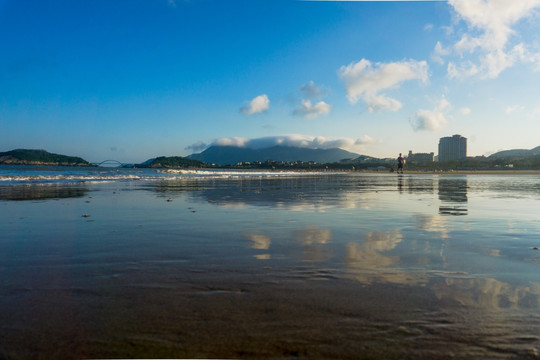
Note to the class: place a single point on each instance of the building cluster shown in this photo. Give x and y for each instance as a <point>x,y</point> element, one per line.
<point>420,157</point>
<point>450,148</point>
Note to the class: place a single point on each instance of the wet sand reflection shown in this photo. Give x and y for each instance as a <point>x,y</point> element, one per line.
<point>42,192</point>
<point>313,240</point>
<point>453,195</point>
<point>369,262</point>
<point>328,267</point>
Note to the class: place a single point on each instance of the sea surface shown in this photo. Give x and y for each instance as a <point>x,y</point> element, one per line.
<point>144,263</point>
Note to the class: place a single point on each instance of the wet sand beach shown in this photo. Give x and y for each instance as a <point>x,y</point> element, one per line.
<point>349,266</point>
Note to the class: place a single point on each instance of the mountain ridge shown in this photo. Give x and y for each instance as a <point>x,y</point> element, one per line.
<point>231,155</point>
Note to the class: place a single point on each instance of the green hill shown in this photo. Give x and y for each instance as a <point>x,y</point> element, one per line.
<point>517,153</point>
<point>171,162</point>
<point>39,157</point>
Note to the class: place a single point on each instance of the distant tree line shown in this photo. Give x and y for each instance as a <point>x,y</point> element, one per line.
<point>481,163</point>
<point>172,162</point>
<point>472,163</point>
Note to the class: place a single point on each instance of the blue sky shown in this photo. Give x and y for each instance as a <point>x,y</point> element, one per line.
<point>131,80</point>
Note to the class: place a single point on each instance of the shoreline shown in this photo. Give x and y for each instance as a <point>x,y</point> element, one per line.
<point>459,172</point>
<point>470,172</point>
<point>303,170</point>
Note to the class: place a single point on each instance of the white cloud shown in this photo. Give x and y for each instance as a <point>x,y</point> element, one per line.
<point>311,91</point>
<point>431,120</point>
<point>428,120</point>
<point>198,146</point>
<point>257,105</point>
<point>381,102</point>
<point>465,111</point>
<point>493,18</point>
<point>439,52</point>
<point>365,140</point>
<point>491,30</point>
<point>310,111</point>
<point>232,141</point>
<point>465,70</point>
<point>511,109</point>
<point>365,81</point>
<point>443,105</point>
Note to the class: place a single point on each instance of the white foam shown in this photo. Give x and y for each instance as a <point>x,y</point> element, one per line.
<point>245,173</point>
<point>46,177</point>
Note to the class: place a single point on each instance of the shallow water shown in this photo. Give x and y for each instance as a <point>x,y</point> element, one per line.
<point>267,265</point>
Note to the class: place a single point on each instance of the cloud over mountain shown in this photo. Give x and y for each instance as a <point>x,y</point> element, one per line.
<point>198,146</point>
<point>366,81</point>
<point>291,140</point>
<point>365,140</point>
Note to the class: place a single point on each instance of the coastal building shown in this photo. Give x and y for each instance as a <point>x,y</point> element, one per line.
<point>452,148</point>
<point>420,157</point>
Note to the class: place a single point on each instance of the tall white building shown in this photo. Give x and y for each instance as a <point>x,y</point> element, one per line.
<point>452,148</point>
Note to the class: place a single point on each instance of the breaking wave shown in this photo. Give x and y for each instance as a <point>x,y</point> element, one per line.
<point>41,175</point>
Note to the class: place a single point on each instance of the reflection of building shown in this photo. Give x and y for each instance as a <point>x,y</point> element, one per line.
<point>452,148</point>
<point>453,195</point>
<point>420,157</point>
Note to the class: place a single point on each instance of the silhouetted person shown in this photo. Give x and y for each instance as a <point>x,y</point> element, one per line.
<point>400,162</point>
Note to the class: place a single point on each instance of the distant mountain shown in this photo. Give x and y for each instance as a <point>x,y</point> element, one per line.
<point>516,153</point>
<point>230,155</point>
<point>171,162</point>
<point>39,157</point>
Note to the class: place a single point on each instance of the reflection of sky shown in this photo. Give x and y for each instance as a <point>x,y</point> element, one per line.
<point>489,293</point>
<point>378,260</point>
<point>370,261</point>
<point>312,239</point>
<point>312,235</point>
<point>433,223</point>
<point>259,241</point>
<point>404,237</point>
<point>370,233</point>
<point>376,243</point>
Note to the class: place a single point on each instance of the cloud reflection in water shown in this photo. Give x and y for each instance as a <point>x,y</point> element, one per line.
<point>367,262</point>
<point>259,241</point>
<point>313,240</point>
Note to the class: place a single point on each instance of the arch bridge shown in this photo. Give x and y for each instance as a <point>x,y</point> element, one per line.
<point>110,163</point>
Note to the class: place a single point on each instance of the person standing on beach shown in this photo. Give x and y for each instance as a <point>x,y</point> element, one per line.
<point>400,162</point>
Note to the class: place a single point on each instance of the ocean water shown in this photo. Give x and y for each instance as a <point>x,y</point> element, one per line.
<point>131,263</point>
